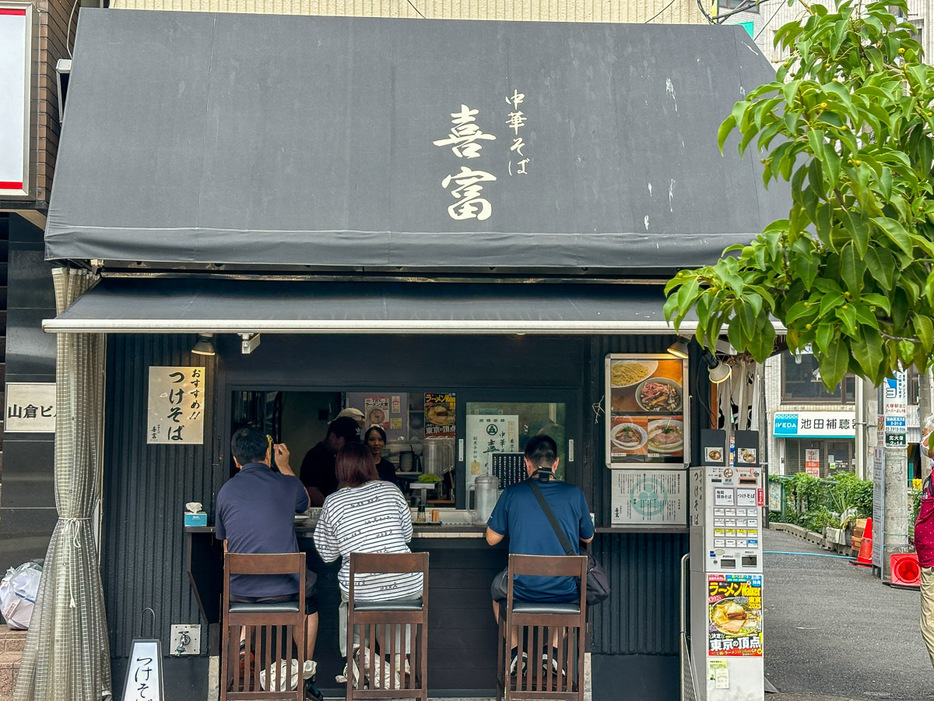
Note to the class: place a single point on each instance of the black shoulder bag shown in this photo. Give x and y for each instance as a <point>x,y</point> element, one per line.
<point>598,581</point>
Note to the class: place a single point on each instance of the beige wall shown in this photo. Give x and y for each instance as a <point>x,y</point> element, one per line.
<point>680,11</point>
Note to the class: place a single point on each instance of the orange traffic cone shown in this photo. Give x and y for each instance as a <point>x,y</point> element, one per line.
<point>864,559</point>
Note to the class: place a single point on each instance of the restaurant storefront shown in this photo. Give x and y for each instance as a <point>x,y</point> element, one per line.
<point>403,231</point>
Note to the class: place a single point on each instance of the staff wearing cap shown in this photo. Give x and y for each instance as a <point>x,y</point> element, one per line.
<point>318,472</point>
<point>355,414</point>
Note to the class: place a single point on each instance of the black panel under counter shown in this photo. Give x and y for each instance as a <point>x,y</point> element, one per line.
<point>461,629</point>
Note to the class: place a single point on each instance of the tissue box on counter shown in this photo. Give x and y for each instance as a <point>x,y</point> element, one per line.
<point>196,519</point>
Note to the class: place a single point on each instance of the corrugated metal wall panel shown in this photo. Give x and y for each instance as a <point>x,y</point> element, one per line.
<point>641,617</point>
<point>145,490</point>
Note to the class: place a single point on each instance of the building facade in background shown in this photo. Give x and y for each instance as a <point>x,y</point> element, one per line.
<point>763,19</point>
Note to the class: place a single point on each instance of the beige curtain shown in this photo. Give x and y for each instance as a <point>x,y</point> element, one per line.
<point>67,655</point>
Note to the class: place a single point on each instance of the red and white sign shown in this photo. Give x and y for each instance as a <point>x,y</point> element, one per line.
<point>812,461</point>
<point>15,67</point>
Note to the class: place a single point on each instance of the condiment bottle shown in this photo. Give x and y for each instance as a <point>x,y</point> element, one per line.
<point>421,514</point>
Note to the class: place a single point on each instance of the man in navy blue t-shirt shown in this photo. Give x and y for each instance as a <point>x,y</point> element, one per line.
<point>256,514</point>
<point>519,515</point>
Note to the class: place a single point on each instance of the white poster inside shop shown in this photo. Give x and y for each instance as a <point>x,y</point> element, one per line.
<point>176,405</point>
<point>651,497</point>
<point>30,407</point>
<point>487,435</point>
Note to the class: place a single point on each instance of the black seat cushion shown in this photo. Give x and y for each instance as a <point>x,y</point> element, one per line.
<point>277,607</point>
<point>528,607</point>
<point>389,605</point>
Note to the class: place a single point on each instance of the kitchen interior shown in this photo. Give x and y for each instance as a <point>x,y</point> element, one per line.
<point>452,458</point>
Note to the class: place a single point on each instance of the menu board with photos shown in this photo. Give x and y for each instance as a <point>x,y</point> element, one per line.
<point>646,411</point>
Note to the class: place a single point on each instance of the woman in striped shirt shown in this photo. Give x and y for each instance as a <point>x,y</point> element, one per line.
<point>365,515</point>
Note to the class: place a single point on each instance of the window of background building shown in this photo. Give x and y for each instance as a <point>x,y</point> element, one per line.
<point>832,455</point>
<point>748,5</point>
<point>801,382</point>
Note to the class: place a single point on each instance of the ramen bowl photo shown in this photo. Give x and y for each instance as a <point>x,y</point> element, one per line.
<point>665,436</point>
<point>731,618</point>
<point>627,436</point>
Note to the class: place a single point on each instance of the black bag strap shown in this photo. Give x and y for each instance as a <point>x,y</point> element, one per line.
<point>928,488</point>
<point>552,519</point>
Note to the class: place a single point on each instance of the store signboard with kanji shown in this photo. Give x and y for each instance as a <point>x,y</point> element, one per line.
<point>734,615</point>
<point>176,405</point>
<point>816,424</point>
<point>30,407</point>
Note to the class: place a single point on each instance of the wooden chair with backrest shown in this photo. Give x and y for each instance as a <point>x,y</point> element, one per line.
<point>382,627</point>
<point>534,625</point>
<point>270,630</point>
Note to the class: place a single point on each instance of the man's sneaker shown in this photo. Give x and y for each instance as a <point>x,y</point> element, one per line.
<point>554,662</point>
<point>514,664</point>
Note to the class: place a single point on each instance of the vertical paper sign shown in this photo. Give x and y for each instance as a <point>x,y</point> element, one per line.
<point>30,407</point>
<point>487,435</point>
<point>176,405</point>
<point>812,461</point>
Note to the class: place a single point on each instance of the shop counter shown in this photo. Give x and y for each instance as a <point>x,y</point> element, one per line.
<point>461,631</point>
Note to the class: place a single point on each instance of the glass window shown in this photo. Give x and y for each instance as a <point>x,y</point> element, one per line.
<point>830,455</point>
<point>747,5</point>
<point>801,381</point>
<point>505,427</point>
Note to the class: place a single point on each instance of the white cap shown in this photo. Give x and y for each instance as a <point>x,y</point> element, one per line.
<point>355,414</point>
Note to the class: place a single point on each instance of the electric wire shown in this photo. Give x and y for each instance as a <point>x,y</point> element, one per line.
<point>660,11</point>
<point>764,26</point>
<point>416,9</point>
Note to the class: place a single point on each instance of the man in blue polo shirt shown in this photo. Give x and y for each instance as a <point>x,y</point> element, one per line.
<point>519,515</point>
<point>255,514</point>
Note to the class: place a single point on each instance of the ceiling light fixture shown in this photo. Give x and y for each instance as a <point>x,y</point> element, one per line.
<point>679,348</point>
<point>205,344</point>
<point>717,370</point>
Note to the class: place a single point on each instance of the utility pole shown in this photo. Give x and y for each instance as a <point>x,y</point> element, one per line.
<point>895,512</point>
<point>925,409</point>
<point>863,391</point>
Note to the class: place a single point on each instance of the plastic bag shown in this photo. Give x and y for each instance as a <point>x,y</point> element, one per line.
<point>308,672</point>
<point>18,591</point>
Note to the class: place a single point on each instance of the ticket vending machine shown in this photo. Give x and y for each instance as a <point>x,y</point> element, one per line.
<point>727,503</point>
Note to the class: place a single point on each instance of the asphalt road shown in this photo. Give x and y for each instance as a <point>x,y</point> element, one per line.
<point>834,632</point>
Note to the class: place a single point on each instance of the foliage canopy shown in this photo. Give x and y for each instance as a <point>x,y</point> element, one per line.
<point>848,121</point>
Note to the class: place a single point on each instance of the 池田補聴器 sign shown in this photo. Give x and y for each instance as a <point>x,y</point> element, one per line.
<point>15,68</point>
<point>828,424</point>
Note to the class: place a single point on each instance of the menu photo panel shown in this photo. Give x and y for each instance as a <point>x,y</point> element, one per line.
<point>646,411</point>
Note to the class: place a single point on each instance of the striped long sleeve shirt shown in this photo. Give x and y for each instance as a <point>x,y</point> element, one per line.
<point>371,518</point>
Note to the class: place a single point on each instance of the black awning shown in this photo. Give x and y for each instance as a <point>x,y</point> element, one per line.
<point>191,305</point>
<point>325,142</point>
